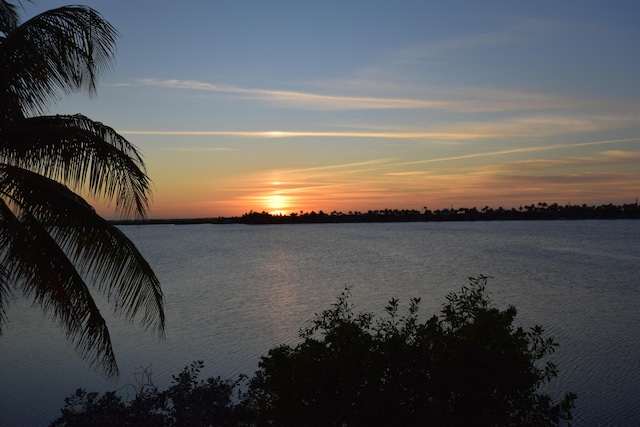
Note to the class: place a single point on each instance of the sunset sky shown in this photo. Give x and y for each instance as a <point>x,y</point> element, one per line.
<point>285,106</point>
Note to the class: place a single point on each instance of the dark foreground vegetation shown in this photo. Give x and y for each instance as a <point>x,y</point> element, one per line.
<point>540,211</point>
<point>54,246</point>
<point>467,366</point>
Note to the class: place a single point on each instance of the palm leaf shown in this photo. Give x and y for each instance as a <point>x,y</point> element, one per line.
<point>57,52</point>
<point>5,291</point>
<point>101,252</point>
<point>8,17</point>
<point>99,249</point>
<point>78,151</point>
<point>42,270</point>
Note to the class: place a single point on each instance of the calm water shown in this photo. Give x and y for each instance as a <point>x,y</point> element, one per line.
<point>233,292</point>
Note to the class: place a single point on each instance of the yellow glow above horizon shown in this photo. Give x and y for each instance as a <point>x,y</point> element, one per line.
<point>276,204</point>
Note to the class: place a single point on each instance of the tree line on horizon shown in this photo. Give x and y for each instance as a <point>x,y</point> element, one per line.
<point>539,211</point>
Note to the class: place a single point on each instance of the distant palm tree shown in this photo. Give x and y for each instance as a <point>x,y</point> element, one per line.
<point>53,245</point>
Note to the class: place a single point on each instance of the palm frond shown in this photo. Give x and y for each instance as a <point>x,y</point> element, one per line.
<point>5,291</point>
<point>99,249</point>
<point>42,270</point>
<point>57,52</point>
<point>8,17</point>
<point>80,152</point>
<point>52,242</point>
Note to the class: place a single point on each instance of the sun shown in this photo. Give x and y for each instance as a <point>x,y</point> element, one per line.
<point>277,203</point>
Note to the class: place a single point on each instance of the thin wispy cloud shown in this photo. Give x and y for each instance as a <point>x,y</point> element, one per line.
<point>570,166</point>
<point>608,157</point>
<point>411,173</point>
<point>582,179</point>
<point>453,99</point>
<point>313,134</point>
<point>196,149</point>
<point>527,126</point>
<point>443,47</point>
<point>301,99</point>
<point>335,166</point>
<point>337,175</point>
<point>405,60</point>
<point>518,150</point>
<point>413,65</point>
<point>350,183</point>
<point>620,155</point>
<point>546,125</point>
<point>513,31</point>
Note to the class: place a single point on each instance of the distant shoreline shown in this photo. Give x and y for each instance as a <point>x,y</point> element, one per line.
<point>541,211</point>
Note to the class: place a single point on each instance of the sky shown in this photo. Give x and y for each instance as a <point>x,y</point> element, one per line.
<point>289,106</point>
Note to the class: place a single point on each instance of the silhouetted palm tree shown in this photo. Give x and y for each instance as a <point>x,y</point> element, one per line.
<point>53,245</point>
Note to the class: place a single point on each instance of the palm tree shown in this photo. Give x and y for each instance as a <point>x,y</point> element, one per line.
<point>54,247</point>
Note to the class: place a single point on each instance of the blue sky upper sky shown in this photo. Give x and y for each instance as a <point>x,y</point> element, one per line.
<point>354,105</point>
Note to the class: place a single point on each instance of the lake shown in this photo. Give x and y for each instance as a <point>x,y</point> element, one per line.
<point>234,291</point>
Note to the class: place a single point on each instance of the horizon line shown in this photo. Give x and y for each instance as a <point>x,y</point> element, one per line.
<point>355,212</point>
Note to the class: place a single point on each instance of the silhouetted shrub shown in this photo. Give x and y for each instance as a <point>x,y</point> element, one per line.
<point>468,366</point>
<point>188,402</point>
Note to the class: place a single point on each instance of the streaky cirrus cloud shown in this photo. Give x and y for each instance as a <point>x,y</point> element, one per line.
<point>512,31</point>
<point>608,157</point>
<point>315,134</point>
<point>461,99</point>
<point>528,126</point>
<point>197,149</point>
<point>300,99</point>
<point>340,174</point>
<point>528,149</point>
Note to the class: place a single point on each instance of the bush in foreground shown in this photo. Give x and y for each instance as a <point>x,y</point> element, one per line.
<point>468,366</point>
<point>189,401</point>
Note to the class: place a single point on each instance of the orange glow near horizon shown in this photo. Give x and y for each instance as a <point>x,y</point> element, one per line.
<point>468,195</point>
<point>384,183</point>
<point>492,187</point>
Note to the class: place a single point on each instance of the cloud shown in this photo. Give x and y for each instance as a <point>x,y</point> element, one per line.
<point>548,125</point>
<point>411,173</point>
<point>611,157</point>
<point>441,48</point>
<point>196,149</point>
<point>333,167</point>
<point>622,156</point>
<point>518,150</point>
<point>314,134</point>
<point>623,160</point>
<point>582,179</point>
<point>303,100</point>
<point>453,99</point>
<point>514,31</point>
<point>405,60</point>
<point>355,174</point>
<point>531,126</point>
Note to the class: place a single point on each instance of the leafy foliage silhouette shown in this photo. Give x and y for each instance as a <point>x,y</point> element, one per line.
<point>468,366</point>
<point>188,402</point>
<point>54,245</point>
